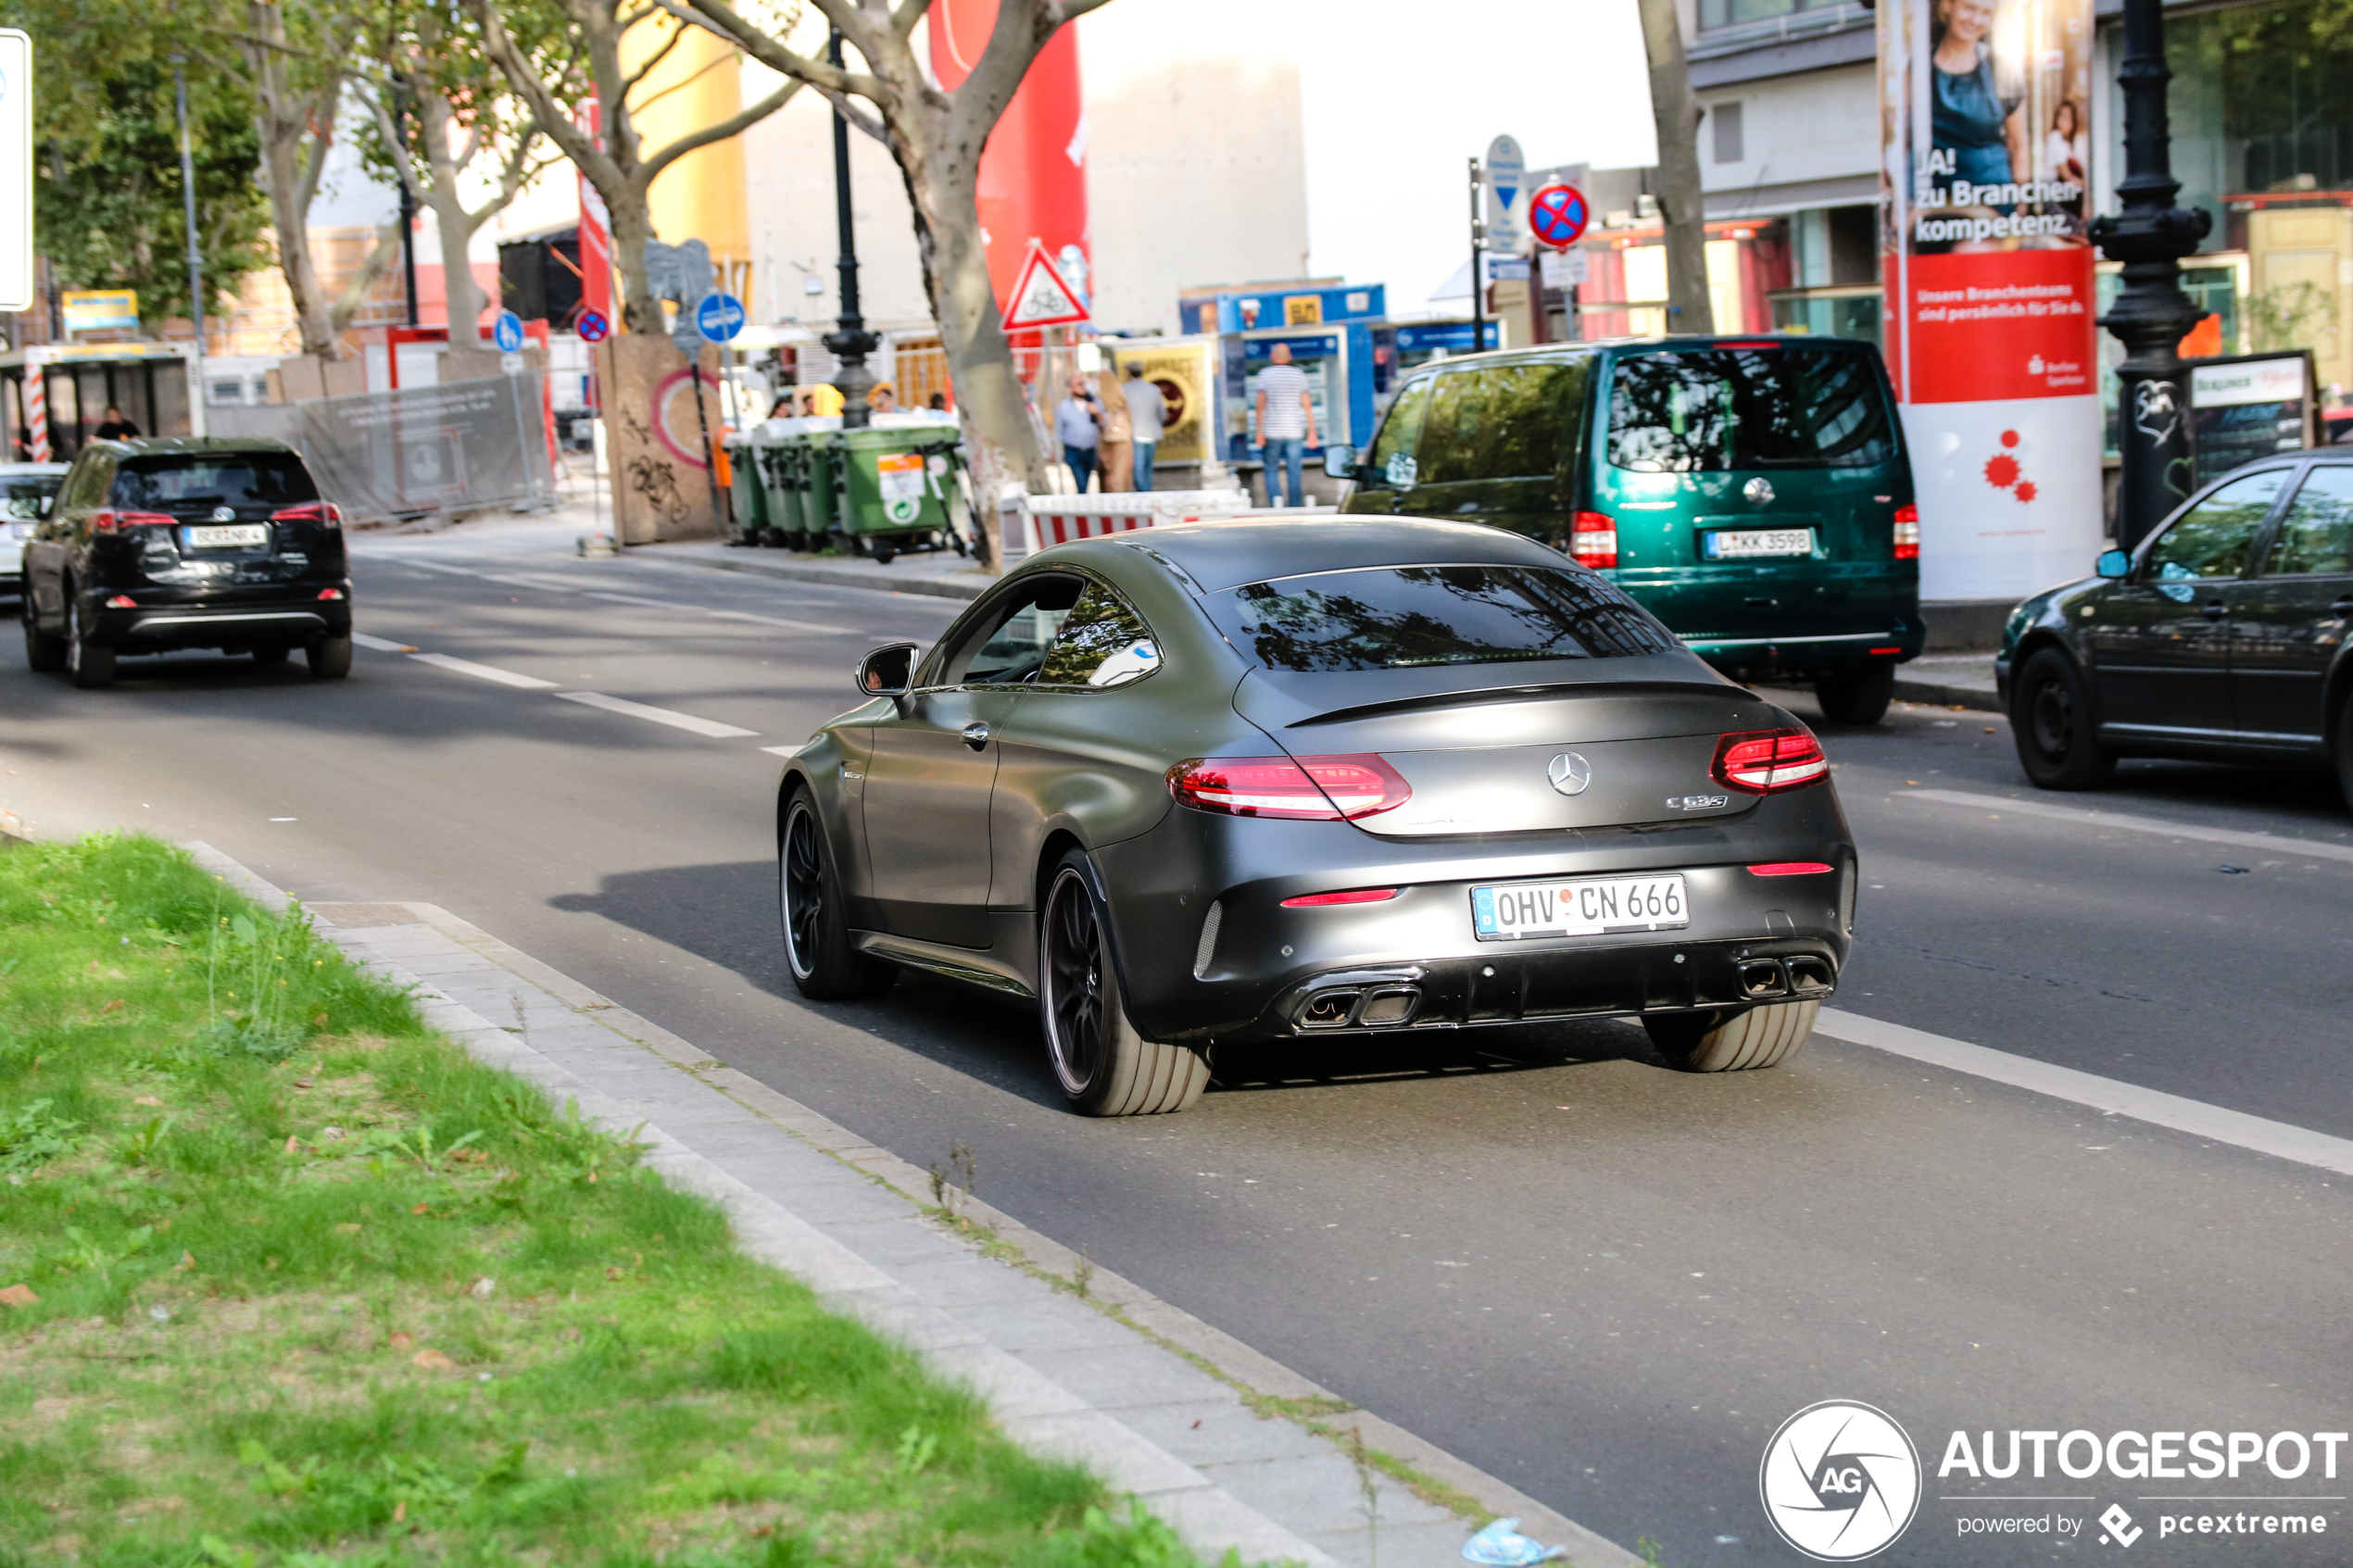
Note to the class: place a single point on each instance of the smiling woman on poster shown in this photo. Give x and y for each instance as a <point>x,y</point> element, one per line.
<point>1979,114</point>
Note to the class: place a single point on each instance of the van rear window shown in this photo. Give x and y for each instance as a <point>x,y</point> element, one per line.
<point>1410,617</point>
<point>1709,409</point>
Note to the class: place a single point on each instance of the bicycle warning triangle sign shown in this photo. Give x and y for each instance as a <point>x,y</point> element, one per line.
<point>1040,297</point>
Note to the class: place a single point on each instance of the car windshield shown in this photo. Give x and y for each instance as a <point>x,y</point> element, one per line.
<point>1411,617</point>
<point>22,495</point>
<point>243,479</point>
<point>1756,408</point>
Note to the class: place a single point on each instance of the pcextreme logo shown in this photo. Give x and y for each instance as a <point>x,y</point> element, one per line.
<point>1841,1481</point>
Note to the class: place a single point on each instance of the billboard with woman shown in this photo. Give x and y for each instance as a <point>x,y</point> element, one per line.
<point>1988,277</point>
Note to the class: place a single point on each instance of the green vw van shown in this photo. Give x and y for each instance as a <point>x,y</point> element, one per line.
<point>1752,492</point>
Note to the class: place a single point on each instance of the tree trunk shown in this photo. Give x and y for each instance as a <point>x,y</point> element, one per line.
<point>1677,114</point>
<point>451,219</point>
<point>633,224</point>
<point>282,157</point>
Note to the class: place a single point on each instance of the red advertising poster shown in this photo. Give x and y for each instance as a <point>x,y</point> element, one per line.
<point>1985,112</point>
<point>1033,174</point>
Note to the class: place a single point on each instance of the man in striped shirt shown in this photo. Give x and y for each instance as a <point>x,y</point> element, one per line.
<point>1286,422</point>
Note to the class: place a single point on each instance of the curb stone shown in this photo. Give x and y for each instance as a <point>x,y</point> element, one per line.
<point>797,571</point>
<point>1110,1380</point>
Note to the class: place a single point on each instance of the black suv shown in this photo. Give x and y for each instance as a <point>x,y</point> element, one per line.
<point>154,546</point>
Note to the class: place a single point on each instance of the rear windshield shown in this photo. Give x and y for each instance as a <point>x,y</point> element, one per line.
<point>244,479</point>
<point>1776,407</point>
<point>1411,617</point>
<point>21,494</point>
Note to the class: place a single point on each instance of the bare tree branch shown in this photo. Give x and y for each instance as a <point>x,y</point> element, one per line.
<point>695,140</point>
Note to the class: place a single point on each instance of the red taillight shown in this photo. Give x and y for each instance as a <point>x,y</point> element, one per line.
<point>1593,540</point>
<point>1768,761</point>
<point>112,522</point>
<point>323,512</point>
<point>122,601</point>
<point>1790,868</point>
<point>1354,896</point>
<point>1317,788</point>
<point>331,593</point>
<point>1907,533</point>
<point>1876,652</point>
<point>1769,343</point>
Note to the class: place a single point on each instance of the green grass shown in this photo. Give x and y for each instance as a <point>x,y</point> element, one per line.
<point>293,1281</point>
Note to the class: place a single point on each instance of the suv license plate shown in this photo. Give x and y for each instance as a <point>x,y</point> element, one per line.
<point>228,536</point>
<point>1747,542</point>
<point>1587,907</point>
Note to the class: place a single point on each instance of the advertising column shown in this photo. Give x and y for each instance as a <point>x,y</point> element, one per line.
<point>1033,172</point>
<point>1984,110</point>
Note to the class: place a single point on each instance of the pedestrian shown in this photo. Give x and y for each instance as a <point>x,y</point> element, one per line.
<point>1147,417</point>
<point>882,400</point>
<point>938,403</point>
<point>782,409</point>
<point>1119,447</point>
<point>1285,422</point>
<point>1078,426</point>
<point>114,426</point>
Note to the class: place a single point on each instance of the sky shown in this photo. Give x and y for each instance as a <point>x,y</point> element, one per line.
<point>1398,98</point>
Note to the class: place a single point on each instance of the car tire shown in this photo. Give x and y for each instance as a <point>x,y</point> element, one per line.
<point>2051,723</point>
<point>1732,1042</point>
<point>329,657</point>
<point>1104,1066</point>
<point>269,655</point>
<point>1857,696</point>
<point>2342,749</point>
<point>813,912</point>
<point>90,663</point>
<point>45,651</point>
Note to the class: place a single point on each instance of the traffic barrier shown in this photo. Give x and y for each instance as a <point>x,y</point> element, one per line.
<point>1058,519</point>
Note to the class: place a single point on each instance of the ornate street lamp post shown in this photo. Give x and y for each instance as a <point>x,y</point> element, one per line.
<point>2151,314</point>
<point>851,342</point>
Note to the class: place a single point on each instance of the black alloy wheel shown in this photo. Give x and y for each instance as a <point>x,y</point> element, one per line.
<point>1073,984</point>
<point>824,965</point>
<point>2343,749</point>
<point>1104,1066</point>
<point>2051,722</point>
<point>44,652</point>
<point>1857,696</point>
<point>91,664</point>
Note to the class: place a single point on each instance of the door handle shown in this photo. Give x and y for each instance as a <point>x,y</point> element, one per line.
<point>2216,609</point>
<point>976,735</point>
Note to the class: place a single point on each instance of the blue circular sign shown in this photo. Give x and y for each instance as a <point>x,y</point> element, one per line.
<point>593,327</point>
<point>508,332</point>
<point>718,317</point>
<point>1557,215</point>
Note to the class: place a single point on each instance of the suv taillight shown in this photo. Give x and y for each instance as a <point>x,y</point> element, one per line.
<point>1312,789</point>
<point>325,513</point>
<point>1768,761</point>
<point>1593,540</point>
<point>108,520</point>
<point>1907,533</point>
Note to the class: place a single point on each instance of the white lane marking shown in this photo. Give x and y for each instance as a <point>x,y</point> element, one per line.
<point>484,671</point>
<point>777,620</point>
<point>635,599</point>
<point>425,566</point>
<point>2274,843</point>
<point>382,644</point>
<point>780,750</point>
<point>671,717</point>
<point>2196,1118</point>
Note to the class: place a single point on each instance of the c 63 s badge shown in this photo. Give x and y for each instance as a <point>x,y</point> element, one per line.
<point>1697,802</point>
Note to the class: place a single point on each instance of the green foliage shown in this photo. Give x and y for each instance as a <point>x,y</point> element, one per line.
<point>2288,316</point>
<point>374,1303</point>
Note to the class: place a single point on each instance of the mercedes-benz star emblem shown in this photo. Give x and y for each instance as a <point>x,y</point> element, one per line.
<point>1759,490</point>
<point>1569,773</point>
<point>224,514</point>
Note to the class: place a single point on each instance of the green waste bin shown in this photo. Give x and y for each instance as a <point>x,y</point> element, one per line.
<point>751,501</point>
<point>779,457</point>
<point>895,487</point>
<point>814,483</point>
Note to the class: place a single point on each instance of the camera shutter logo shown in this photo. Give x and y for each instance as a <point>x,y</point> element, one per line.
<point>1841,1481</point>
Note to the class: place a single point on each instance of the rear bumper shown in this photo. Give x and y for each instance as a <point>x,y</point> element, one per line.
<point>1756,657</point>
<point>273,622</point>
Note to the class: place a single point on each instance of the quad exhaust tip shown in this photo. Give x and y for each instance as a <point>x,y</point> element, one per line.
<point>1378,1007</point>
<point>1765,979</point>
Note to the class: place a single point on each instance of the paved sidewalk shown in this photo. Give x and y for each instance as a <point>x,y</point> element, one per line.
<point>1157,1402</point>
<point>1949,680</point>
<point>941,572</point>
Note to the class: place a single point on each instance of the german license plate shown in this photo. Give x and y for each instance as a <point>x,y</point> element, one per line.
<point>1746,543</point>
<point>1587,907</point>
<point>228,535</point>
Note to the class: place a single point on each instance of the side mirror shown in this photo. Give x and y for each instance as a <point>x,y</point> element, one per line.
<point>887,671</point>
<point>1340,460</point>
<point>2114,563</point>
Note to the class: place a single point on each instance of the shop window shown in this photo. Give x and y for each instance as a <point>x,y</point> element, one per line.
<point>1725,119</point>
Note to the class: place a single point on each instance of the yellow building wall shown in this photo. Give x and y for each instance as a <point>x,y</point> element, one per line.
<point>701,196</point>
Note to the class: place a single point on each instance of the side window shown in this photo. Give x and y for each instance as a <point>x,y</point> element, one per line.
<point>2212,538</point>
<point>1392,460</point>
<point>1450,431</point>
<point>1104,642</point>
<point>2316,536</point>
<point>1527,413</point>
<point>85,485</point>
<point>1008,643</point>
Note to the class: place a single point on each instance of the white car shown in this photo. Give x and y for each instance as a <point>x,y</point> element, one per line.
<point>26,491</point>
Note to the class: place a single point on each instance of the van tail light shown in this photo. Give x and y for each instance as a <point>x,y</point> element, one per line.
<point>1593,540</point>
<point>1907,533</point>
<point>325,513</point>
<point>108,520</point>
<point>1768,761</point>
<point>1306,788</point>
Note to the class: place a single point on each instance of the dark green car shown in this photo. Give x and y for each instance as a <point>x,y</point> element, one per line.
<point>1752,492</point>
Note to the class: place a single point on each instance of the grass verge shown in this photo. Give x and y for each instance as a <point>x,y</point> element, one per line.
<point>286,1279</point>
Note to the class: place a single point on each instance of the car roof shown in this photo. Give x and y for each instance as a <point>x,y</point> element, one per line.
<point>1231,552</point>
<point>1671,343</point>
<point>192,446</point>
